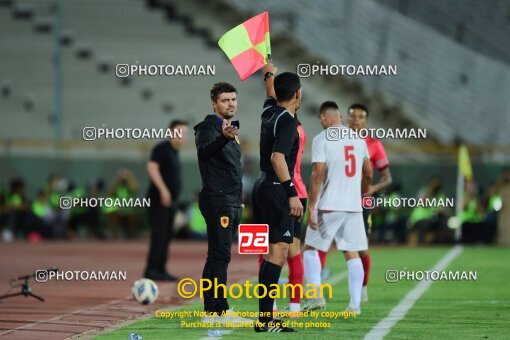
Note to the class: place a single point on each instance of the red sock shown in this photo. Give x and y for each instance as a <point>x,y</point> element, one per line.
<point>261,259</point>
<point>323,256</point>
<point>296,273</point>
<point>365,259</point>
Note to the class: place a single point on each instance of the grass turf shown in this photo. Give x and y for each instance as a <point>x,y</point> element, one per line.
<point>464,309</point>
<point>449,309</point>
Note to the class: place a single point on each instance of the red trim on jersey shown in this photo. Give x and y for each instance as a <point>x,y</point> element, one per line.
<point>378,159</point>
<point>298,181</point>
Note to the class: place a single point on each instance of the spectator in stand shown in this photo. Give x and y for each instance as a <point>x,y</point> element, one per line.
<point>125,187</point>
<point>428,224</point>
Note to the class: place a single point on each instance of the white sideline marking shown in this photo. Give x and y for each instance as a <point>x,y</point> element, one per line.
<point>332,280</point>
<point>399,311</point>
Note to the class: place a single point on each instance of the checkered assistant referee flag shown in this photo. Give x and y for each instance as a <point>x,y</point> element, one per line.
<point>247,45</point>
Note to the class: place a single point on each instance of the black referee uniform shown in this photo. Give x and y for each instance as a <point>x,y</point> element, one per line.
<point>161,218</point>
<point>278,133</point>
<point>219,160</point>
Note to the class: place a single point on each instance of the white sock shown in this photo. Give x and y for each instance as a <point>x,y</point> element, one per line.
<point>294,307</point>
<point>312,265</point>
<point>355,282</point>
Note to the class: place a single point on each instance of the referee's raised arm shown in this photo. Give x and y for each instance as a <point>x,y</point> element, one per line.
<point>269,70</point>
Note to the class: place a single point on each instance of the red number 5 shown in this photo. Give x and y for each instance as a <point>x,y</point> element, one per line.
<point>350,168</point>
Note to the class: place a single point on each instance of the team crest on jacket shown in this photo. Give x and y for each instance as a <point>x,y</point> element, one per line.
<point>224,221</point>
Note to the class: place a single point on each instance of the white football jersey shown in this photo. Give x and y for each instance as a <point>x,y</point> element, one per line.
<point>344,153</point>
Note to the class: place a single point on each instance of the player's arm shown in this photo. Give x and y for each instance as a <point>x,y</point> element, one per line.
<point>382,164</point>
<point>316,180</point>
<point>384,181</point>
<point>208,144</point>
<point>318,173</point>
<point>366,176</point>
<point>155,177</point>
<point>269,67</point>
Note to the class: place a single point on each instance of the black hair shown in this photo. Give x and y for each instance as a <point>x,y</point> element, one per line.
<point>285,86</point>
<point>328,105</point>
<point>220,88</point>
<point>177,122</point>
<point>357,106</point>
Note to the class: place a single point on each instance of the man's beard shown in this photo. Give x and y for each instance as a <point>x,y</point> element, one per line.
<point>226,115</point>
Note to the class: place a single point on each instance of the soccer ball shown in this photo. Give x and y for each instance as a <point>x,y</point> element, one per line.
<point>144,291</point>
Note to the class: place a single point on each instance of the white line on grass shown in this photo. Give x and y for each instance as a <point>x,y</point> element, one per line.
<point>333,280</point>
<point>399,311</point>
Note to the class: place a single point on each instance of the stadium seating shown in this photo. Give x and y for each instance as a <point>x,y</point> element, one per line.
<point>123,32</point>
<point>466,24</point>
<point>430,92</point>
<point>438,79</point>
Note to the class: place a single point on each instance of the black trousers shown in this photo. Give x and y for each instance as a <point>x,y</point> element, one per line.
<point>222,223</point>
<point>161,222</point>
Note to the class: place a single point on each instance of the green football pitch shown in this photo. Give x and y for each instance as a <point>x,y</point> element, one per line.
<point>444,309</point>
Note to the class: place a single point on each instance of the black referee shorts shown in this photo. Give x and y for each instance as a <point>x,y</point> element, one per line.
<point>271,206</point>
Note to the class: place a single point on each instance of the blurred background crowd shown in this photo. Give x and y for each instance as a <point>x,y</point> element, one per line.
<point>40,217</point>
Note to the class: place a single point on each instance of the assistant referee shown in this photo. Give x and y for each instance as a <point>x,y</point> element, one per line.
<point>219,158</point>
<point>275,199</point>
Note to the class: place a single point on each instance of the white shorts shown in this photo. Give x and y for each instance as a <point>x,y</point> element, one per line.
<point>346,228</point>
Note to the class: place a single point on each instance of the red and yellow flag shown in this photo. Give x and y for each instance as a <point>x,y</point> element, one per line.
<point>247,45</point>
